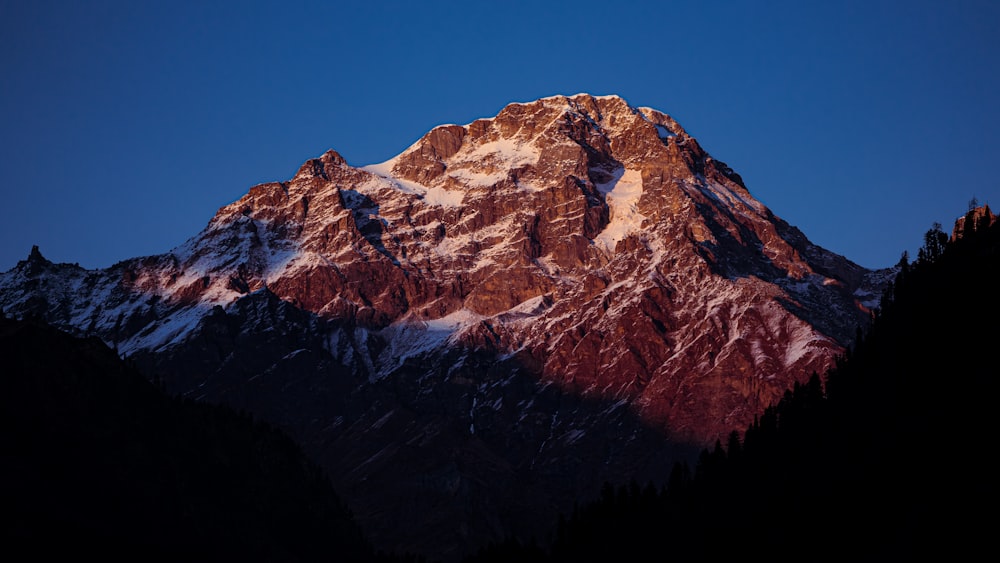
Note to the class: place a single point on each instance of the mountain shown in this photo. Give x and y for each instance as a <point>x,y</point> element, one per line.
<point>479,331</point>
<point>100,463</point>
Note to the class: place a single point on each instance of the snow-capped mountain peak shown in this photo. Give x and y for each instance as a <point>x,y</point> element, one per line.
<point>574,245</point>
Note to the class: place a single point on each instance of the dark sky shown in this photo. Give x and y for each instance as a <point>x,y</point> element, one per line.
<point>125,125</point>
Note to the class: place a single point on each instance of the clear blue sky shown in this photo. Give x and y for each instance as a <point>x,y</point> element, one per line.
<point>125,125</point>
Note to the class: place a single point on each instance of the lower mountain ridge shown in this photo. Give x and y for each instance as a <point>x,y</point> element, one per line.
<point>482,330</point>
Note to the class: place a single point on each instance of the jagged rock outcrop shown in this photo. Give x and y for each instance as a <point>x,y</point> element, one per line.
<point>978,218</point>
<point>491,323</point>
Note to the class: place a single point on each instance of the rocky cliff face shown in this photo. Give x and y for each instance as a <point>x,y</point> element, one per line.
<point>977,218</point>
<point>487,326</point>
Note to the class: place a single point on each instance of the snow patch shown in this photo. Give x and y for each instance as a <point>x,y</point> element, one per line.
<point>802,345</point>
<point>477,179</point>
<point>730,198</point>
<point>435,196</point>
<point>412,338</point>
<point>279,260</point>
<point>440,197</point>
<point>622,195</point>
<point>498,156</point>
<point>165,333</point>
<point>384,177</point>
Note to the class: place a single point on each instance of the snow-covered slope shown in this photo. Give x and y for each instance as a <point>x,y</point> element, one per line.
<point>569,251</point>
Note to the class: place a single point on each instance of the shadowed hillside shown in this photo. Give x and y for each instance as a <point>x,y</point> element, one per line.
<point>97,461</point>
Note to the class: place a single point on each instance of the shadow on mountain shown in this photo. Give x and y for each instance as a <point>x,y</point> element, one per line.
<point>439,457</point>
<point>830,308</point>
<point>366,217</point>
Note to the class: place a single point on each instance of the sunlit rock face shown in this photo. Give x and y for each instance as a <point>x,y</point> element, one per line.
<point>977,218</point>
<point>491,323</point>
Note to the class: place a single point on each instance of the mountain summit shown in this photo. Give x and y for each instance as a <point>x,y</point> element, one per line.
<point>489,324</point>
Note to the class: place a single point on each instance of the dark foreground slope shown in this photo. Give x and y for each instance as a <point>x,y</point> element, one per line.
<point>888,458</point>
<point>97,461</point>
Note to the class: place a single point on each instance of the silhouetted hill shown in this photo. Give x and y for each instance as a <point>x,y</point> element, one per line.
<point>98,462</point>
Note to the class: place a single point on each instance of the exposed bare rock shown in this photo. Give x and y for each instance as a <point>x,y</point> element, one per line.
<point>979,217</point>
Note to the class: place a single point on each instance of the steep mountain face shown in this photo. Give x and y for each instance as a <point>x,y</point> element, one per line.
<point>487,326</point>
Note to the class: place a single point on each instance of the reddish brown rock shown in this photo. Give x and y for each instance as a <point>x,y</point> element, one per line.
<point>979,217</point>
